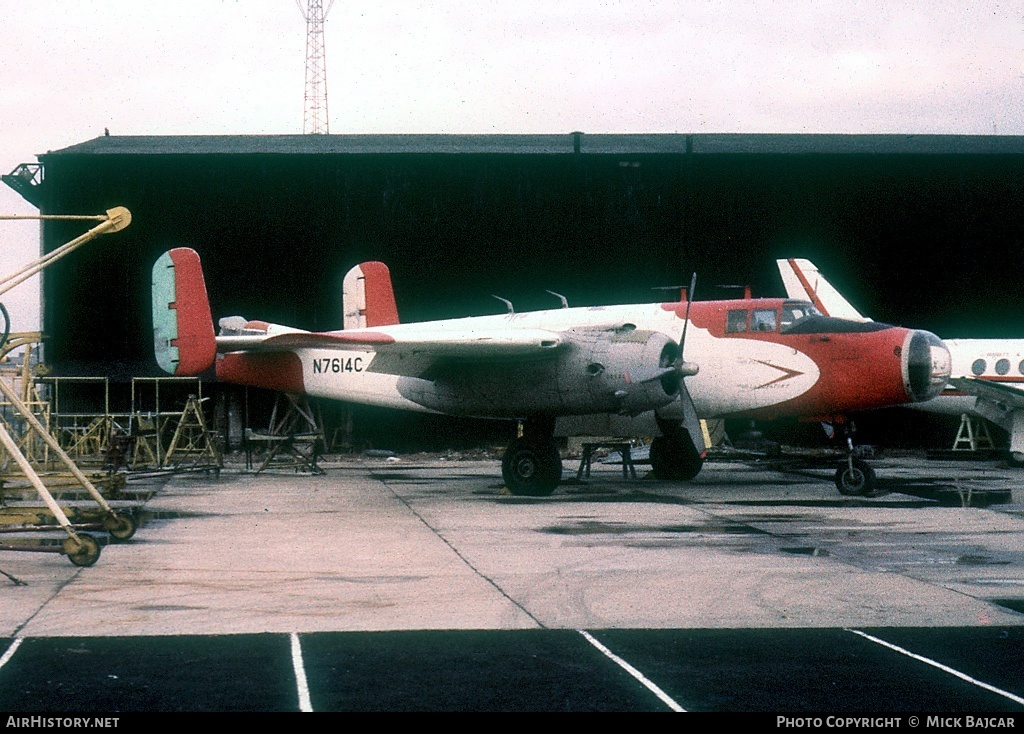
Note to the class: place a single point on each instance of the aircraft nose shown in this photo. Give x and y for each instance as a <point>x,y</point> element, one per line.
<point>927,365</point>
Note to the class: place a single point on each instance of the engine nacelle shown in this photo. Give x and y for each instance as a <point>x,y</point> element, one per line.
<point>622,370</point>
<point>626,370</point>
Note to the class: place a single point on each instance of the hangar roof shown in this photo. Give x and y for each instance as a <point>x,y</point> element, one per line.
<point>608,144</point>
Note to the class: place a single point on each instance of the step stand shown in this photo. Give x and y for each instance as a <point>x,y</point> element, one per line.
<point>623,446</point>
<point>973,435</point>
<point>80,548</point>
<point>192,446</point>
<point>292,441</point>
<point>145,446</point>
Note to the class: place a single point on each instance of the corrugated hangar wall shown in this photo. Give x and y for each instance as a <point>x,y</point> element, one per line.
<point>925,231</point>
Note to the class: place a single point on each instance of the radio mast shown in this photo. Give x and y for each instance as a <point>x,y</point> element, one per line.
<point>315,119</point>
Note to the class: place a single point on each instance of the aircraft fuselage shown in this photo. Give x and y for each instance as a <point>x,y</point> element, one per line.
<point>613,358</point>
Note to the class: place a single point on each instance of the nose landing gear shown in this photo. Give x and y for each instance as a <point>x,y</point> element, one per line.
<point>855,477</point>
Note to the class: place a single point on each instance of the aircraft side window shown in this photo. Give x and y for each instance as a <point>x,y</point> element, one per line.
<point>763,319</point>
<point>979,366</point>
<point>1020,367</point>
<point>736,321</point>
<point>1002,366</point>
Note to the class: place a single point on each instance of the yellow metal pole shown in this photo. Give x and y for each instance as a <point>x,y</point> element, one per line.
<point>52,443</point>
<point>114,220</point>
<point>44,493</point>
<point>121,527</point>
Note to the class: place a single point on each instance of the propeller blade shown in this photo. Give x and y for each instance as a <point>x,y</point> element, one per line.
<point>686,319</point>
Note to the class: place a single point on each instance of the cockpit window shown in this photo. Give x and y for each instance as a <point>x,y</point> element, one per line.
<point>736,321</point>
<point>796,317</point>
<point>763,319</point>
<point>800,317</point>
<point>793,311</point>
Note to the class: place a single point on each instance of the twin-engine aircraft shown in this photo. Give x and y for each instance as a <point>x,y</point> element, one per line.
<point>757,358</point>
<point>987,374</point>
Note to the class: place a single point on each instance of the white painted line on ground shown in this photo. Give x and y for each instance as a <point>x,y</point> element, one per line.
<point>633,672</point>
<point>5,658</point>
<point>940,666</point>
<point>10,651</point>
<point>300,674</point>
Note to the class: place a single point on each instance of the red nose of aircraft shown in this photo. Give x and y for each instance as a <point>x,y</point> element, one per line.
<point>865,366</point>
<point>926,365</point>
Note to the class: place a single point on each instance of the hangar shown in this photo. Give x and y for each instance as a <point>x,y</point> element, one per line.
<point>917,229</point>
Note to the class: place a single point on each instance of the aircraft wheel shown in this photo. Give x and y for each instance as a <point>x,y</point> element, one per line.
<point>531,469</point>
<point>675,458</point>
<point>860,482</point>
<point>83,553</point>
<point>120,526</point>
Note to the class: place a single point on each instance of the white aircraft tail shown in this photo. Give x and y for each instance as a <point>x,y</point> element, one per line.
<point>803,280</point>
<point>368,298</point>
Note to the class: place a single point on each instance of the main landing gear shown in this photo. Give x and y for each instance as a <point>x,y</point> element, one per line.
<point>674,455</point>
<point>532,466</point>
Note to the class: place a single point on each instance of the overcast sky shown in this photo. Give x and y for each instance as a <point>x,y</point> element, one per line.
<point>70,68</point>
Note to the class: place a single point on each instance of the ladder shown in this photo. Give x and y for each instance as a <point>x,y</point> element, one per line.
<point>973,435</point>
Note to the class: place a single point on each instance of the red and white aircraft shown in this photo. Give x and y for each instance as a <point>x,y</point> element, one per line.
<point>987,374</point>
<point>759,358</point>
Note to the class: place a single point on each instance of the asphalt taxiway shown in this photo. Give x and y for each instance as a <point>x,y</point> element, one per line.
<point>415,583</point>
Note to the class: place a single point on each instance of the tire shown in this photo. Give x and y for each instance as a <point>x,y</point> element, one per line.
<point>858,483</point>
<point>121,526</point>
<point>84,553</point>
<point>675,458</point>
<point>531,469</point>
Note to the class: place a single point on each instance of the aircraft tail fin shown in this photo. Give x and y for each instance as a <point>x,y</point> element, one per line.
<point>183,337</point>
<point>369,299</point>
<point>803,280</point>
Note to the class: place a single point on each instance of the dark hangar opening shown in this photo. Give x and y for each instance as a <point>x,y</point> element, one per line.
<point>924,231</point>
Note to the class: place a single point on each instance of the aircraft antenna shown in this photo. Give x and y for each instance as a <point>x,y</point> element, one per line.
<point>560,297</point>
<point>315,118</point>
<point>508,304</point>
<point>686,319</point>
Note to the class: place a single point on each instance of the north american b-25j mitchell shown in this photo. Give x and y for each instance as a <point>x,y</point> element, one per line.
<point>686,360</point>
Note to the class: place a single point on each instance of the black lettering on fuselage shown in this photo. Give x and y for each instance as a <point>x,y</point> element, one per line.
<point>336,365</point>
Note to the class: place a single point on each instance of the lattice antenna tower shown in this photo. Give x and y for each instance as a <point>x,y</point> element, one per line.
<point>315,119</point>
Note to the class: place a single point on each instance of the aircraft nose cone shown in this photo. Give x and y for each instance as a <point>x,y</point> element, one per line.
<point>927,366</point>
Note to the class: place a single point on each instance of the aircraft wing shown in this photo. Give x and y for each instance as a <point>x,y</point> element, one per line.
<point>804,281</point>
<point>300,340</point>
<point>997,392</point>
<point>408,352</point>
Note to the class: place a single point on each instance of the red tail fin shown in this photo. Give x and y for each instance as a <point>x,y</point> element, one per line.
<point>183,337</point>
<point>369,299</point>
